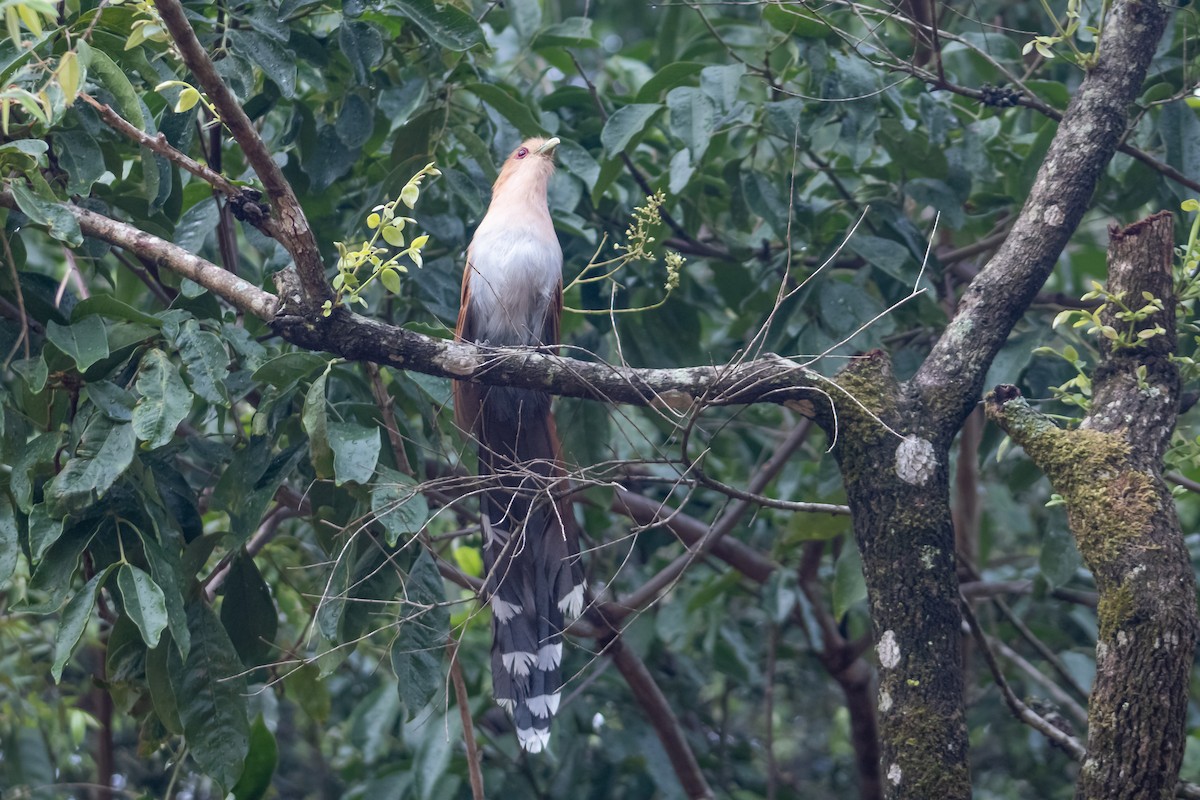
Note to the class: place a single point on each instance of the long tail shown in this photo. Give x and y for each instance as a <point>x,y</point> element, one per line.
<point>534,576</point>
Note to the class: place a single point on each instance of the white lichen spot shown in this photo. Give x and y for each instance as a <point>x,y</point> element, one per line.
<point>461,361</point>
<point>885,701</point>
<point>1101,651</point>
<point>1122,638</point>
<point>1169,639</point>
<point>894,774</point>
<point>1053,215</point>
<point>915,460</point>
<point>888,650</point>
<point>928,555</point>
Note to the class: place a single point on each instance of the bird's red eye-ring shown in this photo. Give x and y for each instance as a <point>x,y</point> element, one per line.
<point>522,152</point>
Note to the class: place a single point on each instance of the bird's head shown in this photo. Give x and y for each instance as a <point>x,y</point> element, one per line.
<point>527,169</point>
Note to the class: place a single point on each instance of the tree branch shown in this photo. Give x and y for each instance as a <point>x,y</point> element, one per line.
<point>952,376</point>
<point>239,293</point>
<point>1021,711</point>
<point>662,717</point>
<point>293,230</point>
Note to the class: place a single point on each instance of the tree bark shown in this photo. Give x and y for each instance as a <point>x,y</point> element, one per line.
<point>897,480</point>
<point>1123,518</point>
<point>898,488</point>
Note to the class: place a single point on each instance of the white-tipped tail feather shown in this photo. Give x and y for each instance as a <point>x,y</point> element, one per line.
<point>549,656</point>
<point>504,610</point>
<point>518,663</point>
<point>533,739</point>
<point>544,705</point>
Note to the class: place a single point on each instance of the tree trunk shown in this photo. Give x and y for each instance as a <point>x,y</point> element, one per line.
<point>1123,517</point>
<point>898,485</point>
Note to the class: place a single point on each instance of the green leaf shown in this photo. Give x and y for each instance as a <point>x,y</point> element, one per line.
<point>9,547</point>
<point>681,171</point>
<point>417,651</point>
<point>363,47</point>
<point>305,686</point>
<point>44,530</point>
<point>111,400</point>
<point>670,76</point>
<point>85,341</point>
<point>105,72</point>
<point>165,400</point>
<point>885,254</point>
<point>692,118</point>
<point>579,162</point>
<point>74,621</point>
<point>721,84</point>
<point>399,506</point>
<point>248,484</point>
<point>124,656</point>
<point>1180,130</point>
<point>164,566</point>
<point>525,16</point>
<point>794,19</point>
<point>105,305</point>
<point>81,157</point>
<point>571,32</point>
<point>34,371</point>
<point>206,362</point>
<point>518,112</point>
<point>626,124</point>
<point>469,560</point>
<point>104,453</point>
<point>390,277</point>
<point>36,458</point>
<point>211,693</point>
<point>849,585</point>
<point>355,122</point>
<point>288,368</point>
<point>276,62</point>
<point>248,612</point>
<point>355,452</point>
<point>332,605</point>
<point>144,603</point>
<point>445,23</point>
<point>52,576</point>
<point>315,421</point>
<point>58,221</point>
<point>1059,558</point>
<point>260,764</point>
<point>158,680</point>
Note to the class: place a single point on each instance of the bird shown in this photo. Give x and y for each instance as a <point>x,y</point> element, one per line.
<point>512,295</point>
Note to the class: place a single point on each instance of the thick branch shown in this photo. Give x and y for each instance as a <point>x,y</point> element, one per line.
<point>951,378</point>
<point>294,232</point>
<point>660,714</point>
<point>771,379</point>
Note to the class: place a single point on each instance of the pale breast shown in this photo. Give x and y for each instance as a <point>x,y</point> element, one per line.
<point>514,277</point>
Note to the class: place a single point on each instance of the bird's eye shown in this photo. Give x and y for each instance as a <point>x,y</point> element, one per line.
<point>522,152</point>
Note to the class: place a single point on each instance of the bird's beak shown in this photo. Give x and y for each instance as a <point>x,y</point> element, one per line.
<point>548,146</point>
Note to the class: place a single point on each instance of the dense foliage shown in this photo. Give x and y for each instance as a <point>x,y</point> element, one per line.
<point>228,564</point>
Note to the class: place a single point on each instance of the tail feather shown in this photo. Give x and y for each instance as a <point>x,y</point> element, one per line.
<point>534,577</point>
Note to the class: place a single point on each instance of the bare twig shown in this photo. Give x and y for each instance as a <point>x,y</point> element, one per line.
<point>1021,711</point>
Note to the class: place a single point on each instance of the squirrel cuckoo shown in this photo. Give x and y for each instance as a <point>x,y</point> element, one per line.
<point>512,295</point>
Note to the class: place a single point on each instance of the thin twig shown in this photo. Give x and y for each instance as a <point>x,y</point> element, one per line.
<point>1021,711</point>
<point>474,771</point>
